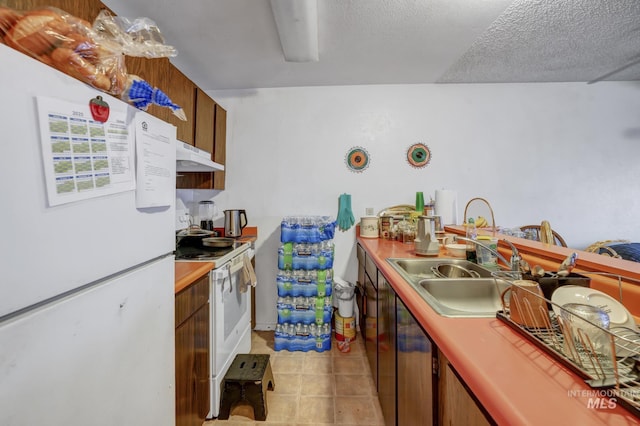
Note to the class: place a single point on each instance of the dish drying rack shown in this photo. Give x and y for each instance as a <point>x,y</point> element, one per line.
<point>615,366</point>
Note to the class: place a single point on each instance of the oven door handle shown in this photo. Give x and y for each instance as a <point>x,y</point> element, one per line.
<point>228,276</point>
<point>225,272</point>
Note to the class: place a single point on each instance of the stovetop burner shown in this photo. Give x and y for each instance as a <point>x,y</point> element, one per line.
<point>201,252</point>
<point>197,256</point>
<point>205,253</point>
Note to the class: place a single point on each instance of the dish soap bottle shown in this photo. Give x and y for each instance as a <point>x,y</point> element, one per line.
<point>472,234</point>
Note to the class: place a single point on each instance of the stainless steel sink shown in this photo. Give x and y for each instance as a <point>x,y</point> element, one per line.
<point>476,298</point>
<point>415,270</point>
<point>453,297</point>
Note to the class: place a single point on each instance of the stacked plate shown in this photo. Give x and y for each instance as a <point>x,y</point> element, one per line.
<point>622,323</point>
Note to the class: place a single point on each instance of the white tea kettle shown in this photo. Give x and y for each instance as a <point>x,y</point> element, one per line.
<point>234,222</point>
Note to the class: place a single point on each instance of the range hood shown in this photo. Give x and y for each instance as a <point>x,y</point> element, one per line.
<point>192,159</point>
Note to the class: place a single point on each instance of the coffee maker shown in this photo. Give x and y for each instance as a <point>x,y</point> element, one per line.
<point>206,214</point>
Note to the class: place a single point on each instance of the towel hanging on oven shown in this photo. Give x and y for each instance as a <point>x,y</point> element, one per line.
<point>248,276</point>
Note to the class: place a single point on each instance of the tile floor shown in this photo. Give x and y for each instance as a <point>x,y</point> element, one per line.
<point>328,388</point>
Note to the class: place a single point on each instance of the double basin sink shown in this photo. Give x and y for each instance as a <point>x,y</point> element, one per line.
<point>471,296</point>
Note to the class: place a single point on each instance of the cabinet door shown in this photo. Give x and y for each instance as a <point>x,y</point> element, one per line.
<point>192,354</point>
<point>371,326</point>
<point>220,146</point>
<point>205,121</point>
<point>182,92</point>
<point>456,405</point>
<point>416,382</point>
<point>387,350</point>
<point>192,369</point>
<point>160,73</point>
<point>361,299</point>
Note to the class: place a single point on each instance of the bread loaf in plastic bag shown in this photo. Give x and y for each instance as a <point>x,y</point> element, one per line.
<point>67,43</point>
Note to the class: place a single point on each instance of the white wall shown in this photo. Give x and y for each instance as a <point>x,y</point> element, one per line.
<point>563,152</point>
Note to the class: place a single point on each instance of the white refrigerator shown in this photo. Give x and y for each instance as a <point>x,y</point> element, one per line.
<point>87,287</point>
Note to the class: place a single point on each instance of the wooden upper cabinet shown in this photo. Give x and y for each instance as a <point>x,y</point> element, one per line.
<point>205,121</point>
<point>220,147</point>
<point>161,73</point>
<point>85,9</point>
<point>149,70</point>
<point>181,91</point>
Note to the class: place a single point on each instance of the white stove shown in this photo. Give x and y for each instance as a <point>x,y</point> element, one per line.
<point>230,309</point>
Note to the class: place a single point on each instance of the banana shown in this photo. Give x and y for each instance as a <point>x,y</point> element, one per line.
<point>481,222</point>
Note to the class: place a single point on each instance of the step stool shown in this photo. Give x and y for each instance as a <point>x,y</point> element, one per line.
<point>248,379</point>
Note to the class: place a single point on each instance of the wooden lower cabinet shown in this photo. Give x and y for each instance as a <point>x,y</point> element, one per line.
<point>192,354</point>
<point>456,404</point>
<point>417,384</point>
<point>387,350</point>
<point>370,330</point>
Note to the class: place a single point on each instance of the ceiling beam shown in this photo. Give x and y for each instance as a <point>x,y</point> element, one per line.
<point>297,23</point>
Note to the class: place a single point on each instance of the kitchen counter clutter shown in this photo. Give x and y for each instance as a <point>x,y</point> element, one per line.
<point>510,378</point>
<point>602,270</point>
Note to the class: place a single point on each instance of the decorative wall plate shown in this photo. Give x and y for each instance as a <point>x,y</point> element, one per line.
<point>357,159</point>
<point>418,155</point>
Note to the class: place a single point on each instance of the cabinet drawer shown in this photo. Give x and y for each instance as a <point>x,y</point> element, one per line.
<point>189,300</point>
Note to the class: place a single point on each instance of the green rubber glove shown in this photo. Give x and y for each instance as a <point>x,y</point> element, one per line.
<point>341,215</point>
<point>345,217</point>
<point>349,213</point>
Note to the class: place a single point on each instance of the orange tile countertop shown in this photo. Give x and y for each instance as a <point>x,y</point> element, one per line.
<point>515,381</point>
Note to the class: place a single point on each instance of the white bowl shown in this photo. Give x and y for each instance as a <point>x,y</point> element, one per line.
<point>457,250</point>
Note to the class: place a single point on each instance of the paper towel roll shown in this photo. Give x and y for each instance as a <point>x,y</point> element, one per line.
<point>447,206</point>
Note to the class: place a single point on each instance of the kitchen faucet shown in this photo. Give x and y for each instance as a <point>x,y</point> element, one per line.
<point>515,256</point>
<point>514,264</point>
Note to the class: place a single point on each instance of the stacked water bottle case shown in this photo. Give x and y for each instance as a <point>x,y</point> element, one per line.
<point>305,280</point>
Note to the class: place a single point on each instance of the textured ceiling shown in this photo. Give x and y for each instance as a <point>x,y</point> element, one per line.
<point>545,40</point>
<point>233,44</point>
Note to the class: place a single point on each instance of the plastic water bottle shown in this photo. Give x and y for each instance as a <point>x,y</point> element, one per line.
<point>280,339</point>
